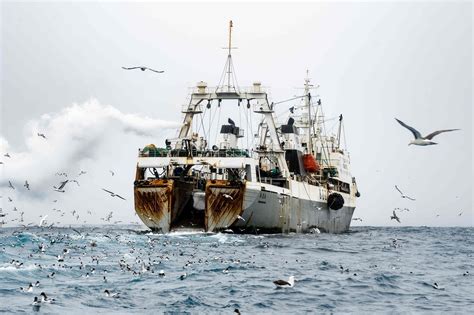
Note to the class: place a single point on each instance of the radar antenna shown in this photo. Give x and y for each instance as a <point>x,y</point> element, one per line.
<point>228,74</point>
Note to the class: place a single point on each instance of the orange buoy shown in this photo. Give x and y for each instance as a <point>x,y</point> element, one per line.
<point>310,164</point>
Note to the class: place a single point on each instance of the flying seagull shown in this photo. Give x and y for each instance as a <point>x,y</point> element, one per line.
<point>143,69</point>
<point>419,139</point>
<point>41,135</point>
<point>285,284</point>
<point>27,185</point>
<point>112,194</point>
<point>227,196</point>
<point>41,222</point>
<point>403,195</point>
<point>395,217</point>
<point>11,185</point>
<point>61,186</point>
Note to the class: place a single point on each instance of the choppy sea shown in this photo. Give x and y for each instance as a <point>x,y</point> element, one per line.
<point>368,270</point>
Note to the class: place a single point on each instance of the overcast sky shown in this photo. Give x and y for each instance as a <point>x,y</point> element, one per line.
<point>61,74</point>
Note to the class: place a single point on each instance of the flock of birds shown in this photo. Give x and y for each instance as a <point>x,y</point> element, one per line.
<point>420,141</point>
<point>60,188</point>
<point>81,252</point>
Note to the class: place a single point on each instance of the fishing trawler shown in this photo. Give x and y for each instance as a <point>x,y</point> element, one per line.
<point>254,175</point>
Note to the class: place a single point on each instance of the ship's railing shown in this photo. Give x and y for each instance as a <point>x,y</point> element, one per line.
<point>162,152</point>
<point>225,89</point>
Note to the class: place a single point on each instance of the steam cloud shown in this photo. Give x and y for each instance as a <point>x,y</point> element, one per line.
<point>73,134</point>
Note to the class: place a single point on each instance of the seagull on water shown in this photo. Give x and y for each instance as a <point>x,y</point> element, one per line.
<point>285,284</point>
<point>45,299</point>
<point>403,195</point>
<point>419,139</point>
<point>29,288</point>
<point>143,69</point>
<point>395,217</point>
<point>110,294</point>
<point>112,194</point>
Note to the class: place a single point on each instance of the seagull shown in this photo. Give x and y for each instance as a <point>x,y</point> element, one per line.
<point>183,276</point>
<point>357,219</point>
<point>436,286</point>
<point>110,294</point>
<point>285,284</point>
<point>41,135</point>
<point>460,213</point>
<point>10,185</point>
<point>419,139</point>
<point>45,299</point>
<point>395,217</point>
<point>36,304</point>
<point>7,155</point>
<point>42,221</point>
<point>75,181</point>
<point>112,172</point>
<point>29,288</point>
<point>27,185</point>
<point>81,173</point>
<point>403,195</point>
<point>227,196</point>
<point>112,194</point>
<point>143,69</point>
<point>61,186</point>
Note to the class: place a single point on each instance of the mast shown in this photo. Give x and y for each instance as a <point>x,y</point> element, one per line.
<point>229,57</point>
<point>308,105</point>
<point>229,67</point>
<point>339,132</point>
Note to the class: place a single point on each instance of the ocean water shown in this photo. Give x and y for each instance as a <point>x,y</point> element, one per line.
<point>368,270</point>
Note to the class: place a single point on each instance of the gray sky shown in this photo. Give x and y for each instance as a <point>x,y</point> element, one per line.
<point>374,62</point>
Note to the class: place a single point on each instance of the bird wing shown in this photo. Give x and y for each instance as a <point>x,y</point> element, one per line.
<point>396,187</point>
<point>63,184</point>
<point>433,134</point>
<point>410,198</point>
<point>107,191</point>
<point>120,197</point>
<point>415,132</point>
<point>130,68</point>
<point>281,282</point>
<point>157,71</point>
<point>398,219</point>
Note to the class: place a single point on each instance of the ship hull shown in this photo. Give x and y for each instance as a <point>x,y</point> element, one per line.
<point>242,207</point>
<point>272,212</point>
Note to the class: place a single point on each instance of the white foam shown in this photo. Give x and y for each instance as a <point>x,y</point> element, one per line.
<point>10,267</point>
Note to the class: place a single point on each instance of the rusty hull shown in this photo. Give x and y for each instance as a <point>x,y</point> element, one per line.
<point>154,202</point>
<point>224,201</point>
